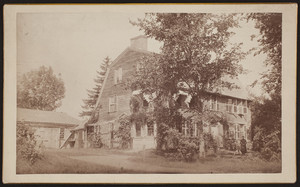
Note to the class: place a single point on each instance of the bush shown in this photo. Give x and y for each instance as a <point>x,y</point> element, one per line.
<point>95,140</point>
<point>27,147</point>
<point>123,134</point>
<point>268,144</point>
<point>210,142</point>
<point>179,147</point>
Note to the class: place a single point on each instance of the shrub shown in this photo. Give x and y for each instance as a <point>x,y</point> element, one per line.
<point>95,140</point>
<point>268,144</point>
<point>123,134</point>
<point>179,147</point>
<point>210,142</point>
<point>27,147</point>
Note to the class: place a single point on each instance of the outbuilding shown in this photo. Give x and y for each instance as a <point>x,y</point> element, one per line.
<point>51,128</point>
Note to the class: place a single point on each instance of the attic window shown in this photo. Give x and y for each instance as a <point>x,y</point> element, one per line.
<point>118,75</point>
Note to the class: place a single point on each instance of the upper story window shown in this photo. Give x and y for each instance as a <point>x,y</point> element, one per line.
<point>214,103</point>
<point>229,105</point>
<point>112,104</point>
<point>245,106</point>
<point>118,75</point>
<point>235,108</point>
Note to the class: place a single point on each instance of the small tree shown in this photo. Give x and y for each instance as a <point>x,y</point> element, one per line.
<point>93,94</point>
<point>27,147</point>
<point>40,89</point>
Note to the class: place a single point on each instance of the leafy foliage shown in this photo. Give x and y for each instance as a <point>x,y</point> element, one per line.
<point>95,140</point>
<point>266,112</point>
<point>196,56</point>
<point>270,39</point>
<point>89,106</point>
<point>40,89</point>
<point>123,134</point>
<point>266,125</point>
<point>166,118</point>
<point>196,53</point>
<point>180,147</point>
<point>27,147</point>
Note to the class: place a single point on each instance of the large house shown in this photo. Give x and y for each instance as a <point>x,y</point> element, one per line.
<point>51,128</point>
<point>115,101</point>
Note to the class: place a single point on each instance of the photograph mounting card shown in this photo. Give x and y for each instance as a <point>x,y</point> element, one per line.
<point>171,93</point>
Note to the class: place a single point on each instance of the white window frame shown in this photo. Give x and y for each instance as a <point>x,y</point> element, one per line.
<point>186,129</point>
<point>229,107</point>
<point>245,110</point>
<point>235,106</point>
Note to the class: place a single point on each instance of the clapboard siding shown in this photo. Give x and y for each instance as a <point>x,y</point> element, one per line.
<point>128,64</point>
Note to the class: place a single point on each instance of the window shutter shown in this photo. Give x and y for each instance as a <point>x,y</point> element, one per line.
<point>109,103</point>
<point>115,77</point>
<point>116,103</point>
<point>120,74</point>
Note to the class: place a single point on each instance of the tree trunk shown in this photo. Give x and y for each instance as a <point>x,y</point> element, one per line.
<point>201,147</point>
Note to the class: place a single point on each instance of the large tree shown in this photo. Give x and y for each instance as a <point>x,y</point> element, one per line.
<point>40,89</point>
<point>266,111</point>
<point>270,40</point>
<point>93,94</point>
<point>196,56</point>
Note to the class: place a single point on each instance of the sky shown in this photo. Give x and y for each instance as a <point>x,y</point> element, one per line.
<point>75,44</point>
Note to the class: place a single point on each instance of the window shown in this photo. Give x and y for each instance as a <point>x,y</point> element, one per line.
<point>245,106</point>
<point>62,133</point>
<point>112,105</point>
<point>138,129</point>
<point>189,129</point>
<point>118,75</point>
<point>240,107</point>
<point>214,105</point>
<point>229,105</point>
<point>235,105</point>
<point>240,131</point>
<point>150,129</point>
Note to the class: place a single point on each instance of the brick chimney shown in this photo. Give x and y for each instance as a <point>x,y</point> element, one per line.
<point>139,42</point>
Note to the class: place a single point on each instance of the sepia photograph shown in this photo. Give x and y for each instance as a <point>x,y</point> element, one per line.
<point>113,89</point>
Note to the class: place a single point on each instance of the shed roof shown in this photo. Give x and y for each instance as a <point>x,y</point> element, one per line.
<point>39,116</point>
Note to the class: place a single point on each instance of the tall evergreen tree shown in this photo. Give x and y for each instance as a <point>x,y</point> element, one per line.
<point>90,103</point>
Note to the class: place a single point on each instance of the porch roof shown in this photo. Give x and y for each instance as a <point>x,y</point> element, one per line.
<point>236,119</point>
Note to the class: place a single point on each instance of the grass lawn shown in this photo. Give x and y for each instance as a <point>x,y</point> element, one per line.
<point>216,164</point>
<point>59,161</point>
